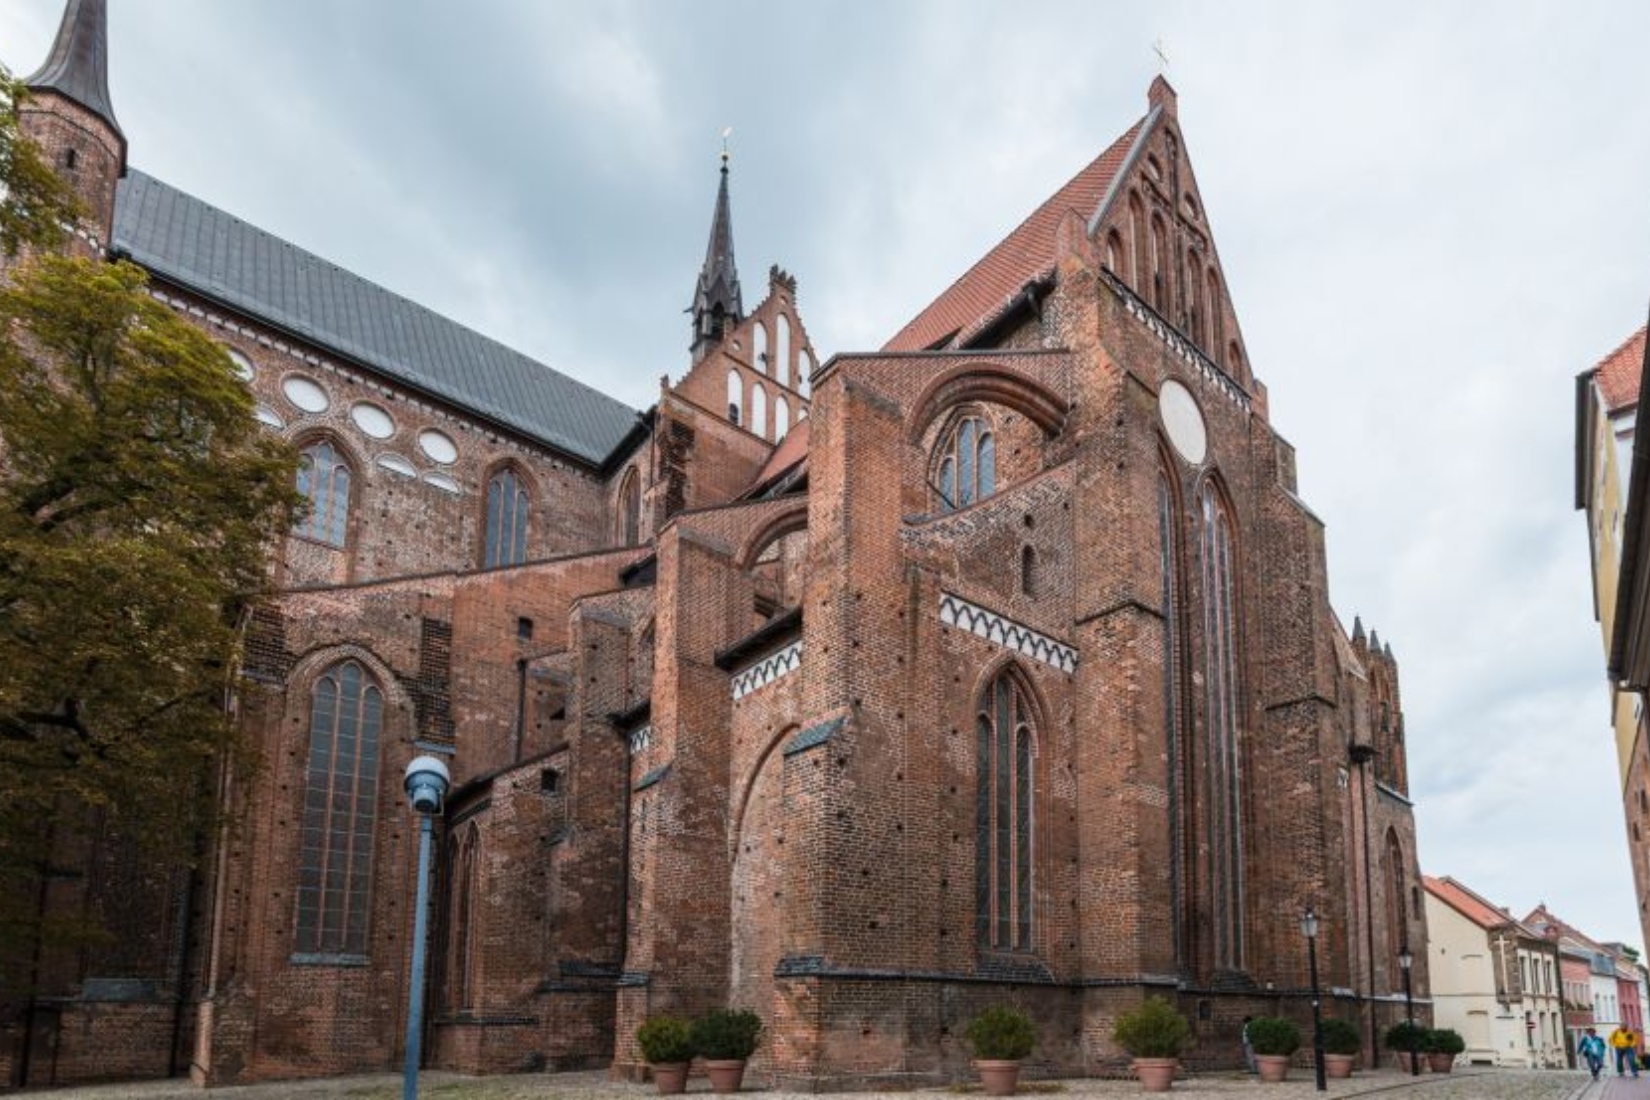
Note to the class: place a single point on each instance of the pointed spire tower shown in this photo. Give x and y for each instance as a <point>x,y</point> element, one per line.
<point>71,114</point>
<point>716,300</point>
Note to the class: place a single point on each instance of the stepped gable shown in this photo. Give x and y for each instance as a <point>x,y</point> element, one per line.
<point>1026,254</point>
<point>202,249</point>
<point>1618,373</point>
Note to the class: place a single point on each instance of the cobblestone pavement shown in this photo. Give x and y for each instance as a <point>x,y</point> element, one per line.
<point>1465,1084</point>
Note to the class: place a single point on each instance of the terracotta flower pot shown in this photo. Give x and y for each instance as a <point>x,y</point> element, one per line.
<point>1339,1065</point>
<point>997,1077</point>
<point>1440,1063</point>
<point>671,1077</point>
<point>1272,1067</point>
<point>1156,1074</point>
<point>725,1076</point>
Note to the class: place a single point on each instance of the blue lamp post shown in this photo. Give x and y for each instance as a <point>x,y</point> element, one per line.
<point>426,782</point>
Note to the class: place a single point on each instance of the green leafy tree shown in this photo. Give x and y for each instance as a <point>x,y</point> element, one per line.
<point>35,204</point>
<point>139,499</point>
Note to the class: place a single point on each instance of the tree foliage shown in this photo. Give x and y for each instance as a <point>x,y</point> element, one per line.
<point>35,204</point>
<point>138,501</point>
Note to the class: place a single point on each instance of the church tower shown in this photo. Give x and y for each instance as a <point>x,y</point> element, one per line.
<point>716,301</point>
<point>70,114</point>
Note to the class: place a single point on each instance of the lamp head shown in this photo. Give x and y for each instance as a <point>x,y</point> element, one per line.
<point>1405,959</point>
<point>1309,923</point>
<point>426,783</point>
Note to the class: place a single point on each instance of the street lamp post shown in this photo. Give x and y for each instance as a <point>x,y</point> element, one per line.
<point>1309,925</point>
<point>1405,962</point>
<point>426,783</point>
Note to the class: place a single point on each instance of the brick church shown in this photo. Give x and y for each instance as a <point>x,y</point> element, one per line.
<point>994,665</point>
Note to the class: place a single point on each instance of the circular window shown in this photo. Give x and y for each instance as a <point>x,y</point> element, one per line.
<point>442,482</point>
<point>306,393</point>
<point>439,446</point>
<point>1183,422</point>
<point>372,420</point>
<point>243,365</point>
<point>397,464</point>
<point>267,415</point>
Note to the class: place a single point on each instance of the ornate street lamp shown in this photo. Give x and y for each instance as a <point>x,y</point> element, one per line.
<point>1309,926</point>
<point>1405,962</point>
<point>426,783</point>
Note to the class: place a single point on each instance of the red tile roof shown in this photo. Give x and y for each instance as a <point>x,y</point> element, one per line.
<point>1618,373</point>
<point>792,448</point>
<point>1023,255</point>
<point>1467,903</point>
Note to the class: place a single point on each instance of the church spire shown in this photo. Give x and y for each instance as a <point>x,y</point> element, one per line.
<point>78,66</point>
<point>716,301</point>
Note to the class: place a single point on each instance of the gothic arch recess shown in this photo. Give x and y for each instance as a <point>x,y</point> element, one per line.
<point>1011,784</point>
<point>985,383</point>
<point>759,881</point>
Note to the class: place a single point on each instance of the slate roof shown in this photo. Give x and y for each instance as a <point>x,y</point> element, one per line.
<point>1619,372</point>
<point>1025,254</point>
<point>201,248</point>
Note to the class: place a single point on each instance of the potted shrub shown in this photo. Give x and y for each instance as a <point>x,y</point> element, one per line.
<point>667,1045</point>
<point>1442,1045</point>
<point>1274,1041</point>
<point>725,1039</point>
<point>1155,1035</point>
<point>1000,1037</point>
<point>1406,1039</point>
<point>1342,1043</point>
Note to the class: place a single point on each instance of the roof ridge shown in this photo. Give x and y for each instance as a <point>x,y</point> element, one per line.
<point>1050,205</point>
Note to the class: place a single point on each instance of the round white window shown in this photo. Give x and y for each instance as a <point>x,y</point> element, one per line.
<point>243,365</point>
<point>372,420</point>
<point>306,393</point>
<point>1183,422</point>
<point>398,465</point>
<point>439,446</point>
<point>442,482</point>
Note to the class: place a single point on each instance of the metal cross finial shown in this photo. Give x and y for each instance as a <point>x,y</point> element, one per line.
<point>1162,57</point>
<point>727,132</point>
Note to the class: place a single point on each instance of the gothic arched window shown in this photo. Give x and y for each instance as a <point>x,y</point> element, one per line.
<point>1225,763</point>
<point>759,347</point>
<point>323,480</point>
<point>782,350</point>
<point>630,509</point>
<point>781,417</point>
<point>340,809</point>
<point>1138,244</point>
<point>1160,266</point>
<point>1003,817</point>
<point>507,510</point>
<point>967,468</point>
<point>1169,595</point>
<point>759,410</point>
<point>736,397</point>
<point>1216,322</point>
<point>461,910</point>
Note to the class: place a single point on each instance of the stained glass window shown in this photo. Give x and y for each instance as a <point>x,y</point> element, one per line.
<point>323,480</point>
<point>507,512</point>
<point>1225,761</point>
<point>967,465</point>
<point>1003,805</point>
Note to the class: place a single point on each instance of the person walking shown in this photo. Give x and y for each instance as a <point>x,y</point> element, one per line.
<point>1591,1049</point>
<point>1625,1044</point>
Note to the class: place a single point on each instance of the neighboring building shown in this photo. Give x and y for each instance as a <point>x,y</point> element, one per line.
<point>1606,412</point>
<point>1494,979</point>
<point>996,664</point>
<point>1601,981</point>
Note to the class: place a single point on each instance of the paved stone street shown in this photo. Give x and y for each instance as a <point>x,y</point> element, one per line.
<point>1467,1084</point>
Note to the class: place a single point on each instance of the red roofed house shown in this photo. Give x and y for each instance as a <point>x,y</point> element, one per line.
<point>1008,676</point>
<point>1494,980</point>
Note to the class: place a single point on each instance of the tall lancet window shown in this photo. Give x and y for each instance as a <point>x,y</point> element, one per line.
<point>507,510</point>
<point>1169,562</point>
<point>1003,817</point>
<point>1225,759</point>
<point>759,347</point>
<point>736,397</point>
<point>340,808</point>
<point>782,351</point>
<point>759,410</point>
<point>781,417</point>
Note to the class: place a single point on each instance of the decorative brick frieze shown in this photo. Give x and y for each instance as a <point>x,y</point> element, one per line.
<point>1003,631</point>
<point>766,671</point>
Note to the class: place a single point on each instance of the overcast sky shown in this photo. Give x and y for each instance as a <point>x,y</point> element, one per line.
<point>1431,218</point>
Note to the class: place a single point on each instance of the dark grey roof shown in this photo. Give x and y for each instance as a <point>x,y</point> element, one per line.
<point>78,65</point>
<point>199,247</point>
